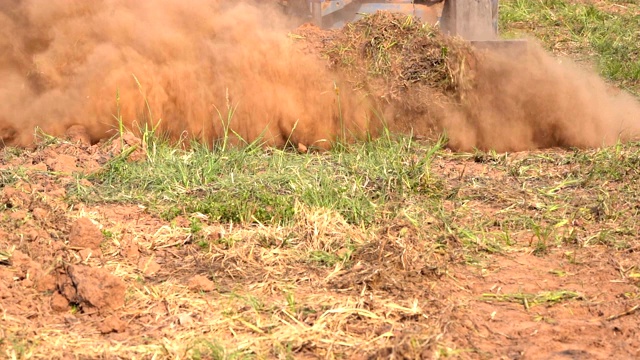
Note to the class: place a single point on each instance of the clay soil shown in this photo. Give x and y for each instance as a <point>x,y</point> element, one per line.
<point>115,280</point>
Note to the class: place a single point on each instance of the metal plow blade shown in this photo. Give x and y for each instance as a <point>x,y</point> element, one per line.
<point>474,20</point>
<point>336,14</point>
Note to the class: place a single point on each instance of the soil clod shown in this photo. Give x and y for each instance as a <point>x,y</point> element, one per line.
<point>92,288</point>
<point>85,234</point>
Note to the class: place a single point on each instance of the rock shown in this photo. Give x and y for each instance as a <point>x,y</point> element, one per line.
<point>85,234</point>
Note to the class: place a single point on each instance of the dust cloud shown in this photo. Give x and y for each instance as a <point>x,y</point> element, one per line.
<point>205,68</point>
<point>198,68</point>
<point>526,99</point>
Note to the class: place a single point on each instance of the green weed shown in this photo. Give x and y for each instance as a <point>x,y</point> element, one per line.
<point>208,350</point>
<point>255,184</point>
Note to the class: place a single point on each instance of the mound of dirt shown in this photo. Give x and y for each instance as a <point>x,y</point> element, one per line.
<point>36,217</point>
<point>91,288</point>
<point>389,53</point>
<point>408,69</point>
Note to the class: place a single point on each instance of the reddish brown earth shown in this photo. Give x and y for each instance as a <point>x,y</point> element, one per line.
<point>583,328</point>
<point>109,280</point>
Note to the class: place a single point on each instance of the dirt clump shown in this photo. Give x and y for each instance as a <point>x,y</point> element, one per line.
<point>59,302</point>
<point>389,53</point>
<point>201,283</point>
<point>78,134</point>
<point>85,234</point>
<point>148,266</point>
<point>112,324</point>
<point>27,269</point>
<point>91,288</point>
<point>130,146</point>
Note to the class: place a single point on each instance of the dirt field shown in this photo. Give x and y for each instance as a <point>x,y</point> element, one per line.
<point>99,280</point>
<point>399,247</point>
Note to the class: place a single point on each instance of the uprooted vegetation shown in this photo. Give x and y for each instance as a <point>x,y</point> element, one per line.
<point>387,54</point>
<point>410,71</point>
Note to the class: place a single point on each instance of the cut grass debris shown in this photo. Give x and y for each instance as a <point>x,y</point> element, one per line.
<point>529,300</point>
<point>5,258</point>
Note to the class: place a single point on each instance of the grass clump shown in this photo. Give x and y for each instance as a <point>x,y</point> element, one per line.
<point>255,184</point>
<point>204,350</point>
<point>396,62</point>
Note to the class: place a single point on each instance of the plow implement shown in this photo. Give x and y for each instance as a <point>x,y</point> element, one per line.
<point>473,20</point>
